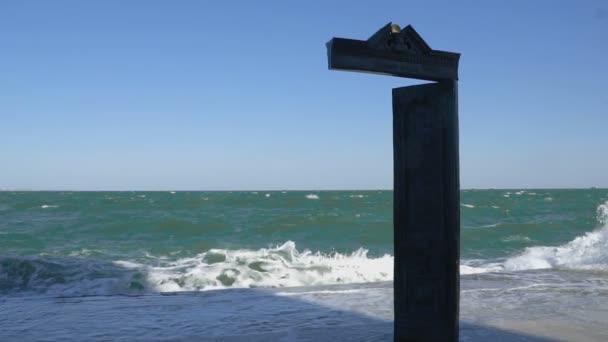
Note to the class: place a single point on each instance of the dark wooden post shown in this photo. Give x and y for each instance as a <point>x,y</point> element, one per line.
<point>426,176</point>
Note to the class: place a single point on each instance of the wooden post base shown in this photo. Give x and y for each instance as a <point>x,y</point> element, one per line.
<point>426,212</point>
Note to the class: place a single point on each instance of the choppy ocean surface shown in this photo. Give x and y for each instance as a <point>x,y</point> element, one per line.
<point>289,265</point>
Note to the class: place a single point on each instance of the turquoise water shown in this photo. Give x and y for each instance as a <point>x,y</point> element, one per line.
<point>124,242</point>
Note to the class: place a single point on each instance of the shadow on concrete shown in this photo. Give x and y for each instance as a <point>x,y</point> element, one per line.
<point>361,312</point>
<point>325,313</point>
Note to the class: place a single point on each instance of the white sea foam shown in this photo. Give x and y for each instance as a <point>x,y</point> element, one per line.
<point>467,205</point>
<point>267,195</point>
<point>285,266</point>
<point>466,269</point>
<point>282,266</point>
<point>356,196</point>
<point>312,196</point>
<point>602,214</point>
<point>300,293</point>
<point>46,206</point>
<point>587,252</point>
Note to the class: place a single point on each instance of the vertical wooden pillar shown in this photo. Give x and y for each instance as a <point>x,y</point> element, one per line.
<point>426,212</point>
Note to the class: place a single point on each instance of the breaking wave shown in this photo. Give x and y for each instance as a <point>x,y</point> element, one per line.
<point>586,252</point>
<point>90,272</point>
<point>282,266</point>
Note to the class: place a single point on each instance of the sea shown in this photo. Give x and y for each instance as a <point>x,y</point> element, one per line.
<point>289,265</point>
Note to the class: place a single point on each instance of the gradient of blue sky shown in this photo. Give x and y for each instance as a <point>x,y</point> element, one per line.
<point>237,95</point>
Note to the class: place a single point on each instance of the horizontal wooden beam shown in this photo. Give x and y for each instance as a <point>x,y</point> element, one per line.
<point>401,54</point>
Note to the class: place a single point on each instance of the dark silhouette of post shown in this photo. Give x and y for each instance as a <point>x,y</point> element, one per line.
<point>426,176</point>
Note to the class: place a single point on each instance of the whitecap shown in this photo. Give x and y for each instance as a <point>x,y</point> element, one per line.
<point>312,196</point>
<point>516,238</point>
<point>467,205</point>
<point>46,206</point>
<point>85,252</point>
<point>483,226</point>
<point>128,264</point>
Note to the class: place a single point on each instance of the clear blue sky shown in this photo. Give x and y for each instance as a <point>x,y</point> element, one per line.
<point>236,95</point>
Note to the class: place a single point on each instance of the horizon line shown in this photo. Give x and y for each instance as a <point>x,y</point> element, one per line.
<point>278,190</point>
